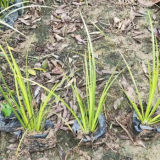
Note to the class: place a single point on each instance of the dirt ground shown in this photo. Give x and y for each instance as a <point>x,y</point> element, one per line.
<point>53,37</point>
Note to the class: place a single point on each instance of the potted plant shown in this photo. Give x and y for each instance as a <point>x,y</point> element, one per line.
<point>91,120</point>
<point>21,114</point>
<point>30,116</point>
<point>145,116</point>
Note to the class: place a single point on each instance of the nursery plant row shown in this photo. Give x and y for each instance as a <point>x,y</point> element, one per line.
<point>90,119</point>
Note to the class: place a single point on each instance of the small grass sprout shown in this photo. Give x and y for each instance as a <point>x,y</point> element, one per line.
<point>146,113</point>
<point>28,113</point>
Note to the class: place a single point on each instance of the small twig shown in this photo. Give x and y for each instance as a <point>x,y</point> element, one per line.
<point>94,39</point>
<point>43,57</point>
<point>61,153</point>
<point>73,149</point>
<point>111,148</point>
<point>129,135</point>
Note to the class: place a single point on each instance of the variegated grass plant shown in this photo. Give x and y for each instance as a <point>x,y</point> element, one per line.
<point>31,116</point>
<point>90,111</point>
<point>146,113</point>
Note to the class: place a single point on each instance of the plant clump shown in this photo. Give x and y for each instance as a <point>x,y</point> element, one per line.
<point>147,114</point>
<point>30,115</point>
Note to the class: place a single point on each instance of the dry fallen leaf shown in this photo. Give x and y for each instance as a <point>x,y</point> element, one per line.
<point>116,21</point>
<point>109,72</point>
<point>65,18</point>
<point>36,91</point>
<point>78,4</point>
<point>117,103</point>
<point>65,112</point>
<point>27,16</point>
<point>61,153</point>
<point>60,9</point>
<point>122,137</point>
<point>78,38</point>
<point>60,46</point>
<point>132,15</point>
<point>56,25</point>
<point>58,38</point>
<point>125,24</point>
<point>36,20</point>
<point>43,158</point>
<point>47,75</point>
<point>146,3</point>
<point>37,65</point>
<point>128,89</point>
<point>57,70</point>
<point>139,143</point>
<point>26,22</point>
<point>12,147</point>
<point>71,29</point>
<point>144,68</point>
<point>155,1</point>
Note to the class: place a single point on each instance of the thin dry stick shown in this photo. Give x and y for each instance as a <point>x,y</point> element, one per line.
<point>129,135</point>
<point>73,149</point>
<point>111,148</point>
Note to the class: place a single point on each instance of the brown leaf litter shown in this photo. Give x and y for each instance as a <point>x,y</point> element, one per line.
<point>148,3</point>
<point>129,90</point>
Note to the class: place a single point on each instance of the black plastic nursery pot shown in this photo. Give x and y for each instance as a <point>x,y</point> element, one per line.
<point>144,131</point>
<point>100,132</point>
<point>11,123</point>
